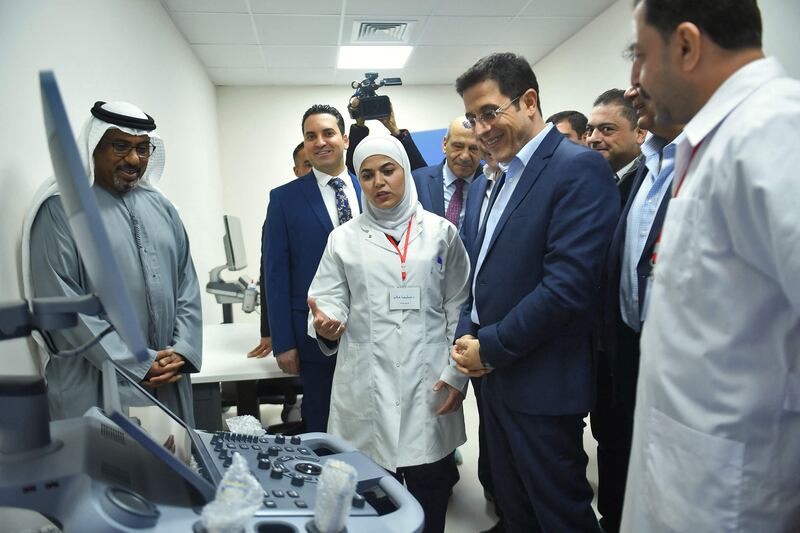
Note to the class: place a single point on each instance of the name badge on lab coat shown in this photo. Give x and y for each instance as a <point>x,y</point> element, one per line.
<point>404,298</point>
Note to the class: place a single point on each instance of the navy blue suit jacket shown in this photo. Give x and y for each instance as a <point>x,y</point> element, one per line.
<point>430,187</point>
<point>297,229</point>
<point>538,287</point>
<point>624,358</point>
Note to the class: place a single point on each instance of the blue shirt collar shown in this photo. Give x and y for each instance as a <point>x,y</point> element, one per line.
<point>520,161</point>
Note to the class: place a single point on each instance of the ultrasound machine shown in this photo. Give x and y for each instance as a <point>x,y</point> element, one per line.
<point>133,465</point>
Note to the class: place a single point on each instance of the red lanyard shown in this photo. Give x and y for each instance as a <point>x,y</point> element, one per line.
<point>677,190</point>
<point>404,253</point>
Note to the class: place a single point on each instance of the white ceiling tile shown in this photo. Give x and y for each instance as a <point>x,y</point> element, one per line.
<point>542,31</point>
<point>207,6</point>
<point>301,56</point>
<point>238,76</point>
<point>479,8</point>
<point>302,30</point>
<point>206,28</point>
<point>436,56</point>
<point>229,55</point>
<point>567,8</point>
<point>386,9</point>
<point>295,76</point>
<point>306,7</point>
<point>299,39</point>
<point>457,31</point>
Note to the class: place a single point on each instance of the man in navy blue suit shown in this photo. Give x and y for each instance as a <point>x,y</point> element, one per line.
<point>443,189</point>
<point>627,268</point>
<point>527,323</point>
<point>300,216</point>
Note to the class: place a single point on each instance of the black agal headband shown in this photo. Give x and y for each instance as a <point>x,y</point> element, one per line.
<point>125,121</point>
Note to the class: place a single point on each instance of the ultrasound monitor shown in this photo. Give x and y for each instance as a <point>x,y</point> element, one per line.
<point>154,426</point>
<point>234,243</point>
<point>87,227</point>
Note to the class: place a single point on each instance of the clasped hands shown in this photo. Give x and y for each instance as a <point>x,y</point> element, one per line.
<point>466,353</point>
<point>164,369</point>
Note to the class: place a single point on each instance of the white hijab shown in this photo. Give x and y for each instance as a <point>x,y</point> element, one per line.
<point>392,221</point>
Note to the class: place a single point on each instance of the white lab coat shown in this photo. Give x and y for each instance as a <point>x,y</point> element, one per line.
<point>716,444</point>
<point>389,360</point>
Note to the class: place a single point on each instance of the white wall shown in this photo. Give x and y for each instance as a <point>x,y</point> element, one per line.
<point>103,50</point>
<point>591,61</point>
<point>260,126</point>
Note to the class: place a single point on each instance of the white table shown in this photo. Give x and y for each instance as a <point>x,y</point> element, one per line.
<point>225,348</point>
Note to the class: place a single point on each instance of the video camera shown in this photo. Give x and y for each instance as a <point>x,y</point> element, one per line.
<point>371,106</point>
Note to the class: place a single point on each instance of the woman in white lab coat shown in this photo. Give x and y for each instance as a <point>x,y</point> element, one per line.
<point>396,395</point>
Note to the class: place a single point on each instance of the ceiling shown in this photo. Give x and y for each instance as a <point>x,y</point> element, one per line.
<point>285,42</point>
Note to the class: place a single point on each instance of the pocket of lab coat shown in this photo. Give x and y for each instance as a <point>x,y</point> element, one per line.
<point>692,480</point>
<point>353,381</point>
<point>678,248</point>
<point>436,355</point>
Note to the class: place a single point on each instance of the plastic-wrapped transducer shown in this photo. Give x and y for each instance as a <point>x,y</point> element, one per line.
<point>335,491</point>
<point>238,497</point>
<point>246,425</point>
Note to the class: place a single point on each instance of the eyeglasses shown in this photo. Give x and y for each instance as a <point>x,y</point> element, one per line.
<point>488,116</point>
<point>123,148</point>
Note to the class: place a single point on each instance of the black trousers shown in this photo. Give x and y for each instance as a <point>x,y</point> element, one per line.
<point>431,484</point>
<point>484,470</point>
<point>538,468</point>
<point>317,381</point>
<point>612,427</point>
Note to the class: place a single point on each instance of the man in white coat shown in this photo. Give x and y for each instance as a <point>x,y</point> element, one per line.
<point>716,443</point>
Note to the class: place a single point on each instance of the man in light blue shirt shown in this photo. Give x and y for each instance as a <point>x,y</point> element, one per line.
<point>627,270</point>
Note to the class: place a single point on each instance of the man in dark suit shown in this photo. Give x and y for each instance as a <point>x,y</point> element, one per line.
<point>302,166</point>
<point>613,132</point>
<point>443,189</point>
<point>628,267</point>
<point>300,216</point>
<point>527,323</point>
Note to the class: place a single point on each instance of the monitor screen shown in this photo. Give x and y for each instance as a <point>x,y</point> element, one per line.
<point>87,227</point>
<point>154,426</point>
<point>234,243</point>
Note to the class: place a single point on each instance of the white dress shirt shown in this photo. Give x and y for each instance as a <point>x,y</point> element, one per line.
<point>716,444</point>
<point>329,193</point>
<point>491,179</point>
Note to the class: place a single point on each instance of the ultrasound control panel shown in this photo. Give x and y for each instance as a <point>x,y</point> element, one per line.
<point>288,468</point>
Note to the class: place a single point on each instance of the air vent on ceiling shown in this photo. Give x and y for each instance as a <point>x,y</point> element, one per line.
<point>381,32</point>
